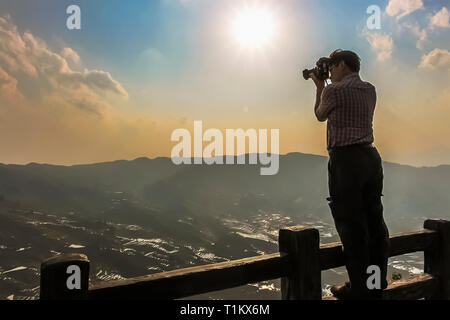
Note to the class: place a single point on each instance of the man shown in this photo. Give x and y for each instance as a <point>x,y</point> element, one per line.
<point>355,173</point>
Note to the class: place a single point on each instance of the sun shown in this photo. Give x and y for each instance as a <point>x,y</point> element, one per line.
<point>253,27</point>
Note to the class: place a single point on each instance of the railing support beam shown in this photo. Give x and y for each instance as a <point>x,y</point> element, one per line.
<point>437,258</point>
<point>65,277</point>
<point>304,279</point>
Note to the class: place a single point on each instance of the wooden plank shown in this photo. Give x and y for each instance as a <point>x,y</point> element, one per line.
<point>196,280</point>
<point>413,288</point>
<point>304,279</point>
<point>331,255</point>
<point>412,242</point>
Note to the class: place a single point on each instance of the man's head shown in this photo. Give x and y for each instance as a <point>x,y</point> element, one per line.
<point>342,63</point>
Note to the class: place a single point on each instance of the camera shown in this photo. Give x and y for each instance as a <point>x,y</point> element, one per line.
<point>321,71</point>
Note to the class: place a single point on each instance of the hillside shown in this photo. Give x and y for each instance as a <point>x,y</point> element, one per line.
<point>148,215</point>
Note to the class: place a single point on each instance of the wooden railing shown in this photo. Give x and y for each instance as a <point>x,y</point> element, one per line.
<point>299,265</point>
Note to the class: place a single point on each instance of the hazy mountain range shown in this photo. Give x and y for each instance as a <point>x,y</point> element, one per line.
<point>147,215</point>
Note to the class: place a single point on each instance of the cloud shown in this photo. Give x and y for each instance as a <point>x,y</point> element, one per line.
<point>93,79</point>
<point>8,85</point>
<point>436,58</point>
<point>24,57</point>
<point>382,44</point>
<point>441,19</point>
<point>153,55</point>
<point>70,55</point>
<point>14,49</point>
<point>53,113</point>
<point>421,34</point>
<point>179,2</point>
<point>401,8</point>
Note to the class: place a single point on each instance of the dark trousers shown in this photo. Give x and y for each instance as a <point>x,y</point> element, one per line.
<point>355,180</point>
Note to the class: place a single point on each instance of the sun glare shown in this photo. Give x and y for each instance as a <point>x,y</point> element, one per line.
<point>253,28</point>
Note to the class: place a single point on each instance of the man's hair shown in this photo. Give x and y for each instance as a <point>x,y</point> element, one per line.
<point>350,58</point>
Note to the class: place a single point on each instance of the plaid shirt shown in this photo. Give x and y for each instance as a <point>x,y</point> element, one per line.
<point>348,105</point>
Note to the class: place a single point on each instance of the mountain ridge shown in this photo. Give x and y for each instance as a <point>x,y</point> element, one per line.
<point>148,215</point>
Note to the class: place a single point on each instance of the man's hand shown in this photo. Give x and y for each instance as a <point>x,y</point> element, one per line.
<point>320,84</point>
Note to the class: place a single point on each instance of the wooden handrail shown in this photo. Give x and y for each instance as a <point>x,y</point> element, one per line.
<point>195,280</point>
<point>413,288</point>
<point>331,255</point>
<point>299,265</point>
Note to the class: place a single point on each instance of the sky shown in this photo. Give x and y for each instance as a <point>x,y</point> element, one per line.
<point>138,70</point>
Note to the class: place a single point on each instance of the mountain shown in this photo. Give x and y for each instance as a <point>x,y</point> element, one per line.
<point>148,215</point>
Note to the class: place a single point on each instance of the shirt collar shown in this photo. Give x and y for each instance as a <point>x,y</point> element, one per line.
<point>351,75</point>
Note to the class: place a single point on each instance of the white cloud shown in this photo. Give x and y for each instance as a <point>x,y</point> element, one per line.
<point>421,34</point>
<point>70,55</point>
<point>382,44</point>
<point>153,55</point>
<point>441,19</point>
<point>182,2</point>
<point>401,8</point>
<point>13,49</point>
<point>93,79</point>
<point>436,58</point>
<point>8,85</point>
<point>24,56</point>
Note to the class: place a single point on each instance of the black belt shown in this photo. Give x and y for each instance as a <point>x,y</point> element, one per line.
<point>350,146</point>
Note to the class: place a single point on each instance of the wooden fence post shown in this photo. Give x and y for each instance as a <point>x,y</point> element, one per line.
<point>437,258</point>
<point>65,277</point>
<point>304,279</point>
